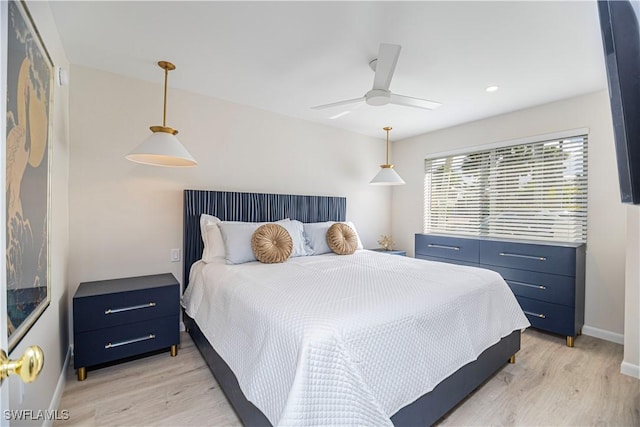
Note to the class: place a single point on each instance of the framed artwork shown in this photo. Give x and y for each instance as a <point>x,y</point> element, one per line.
<point>29,96</point>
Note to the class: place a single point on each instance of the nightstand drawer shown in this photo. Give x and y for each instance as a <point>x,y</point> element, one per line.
<point>540,286</point>
<point>531,257</point>
<point>106,345</point>
<point>454,248</point>
<point>104,311</point>
<point>550,317</point>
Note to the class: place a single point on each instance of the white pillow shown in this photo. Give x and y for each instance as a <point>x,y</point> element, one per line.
<point>211,237</point>
<point>316,234</point>
<point>353,227</point>
<point>237,241</point>
<point>296,231</point>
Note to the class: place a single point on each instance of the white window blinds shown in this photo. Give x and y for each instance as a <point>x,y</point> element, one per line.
<point>533,191</point>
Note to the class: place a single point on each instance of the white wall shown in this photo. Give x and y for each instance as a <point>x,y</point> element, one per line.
<point>631,362</point>
<point>606,239</point>
<point>50,331</point>
<point>126,217</point>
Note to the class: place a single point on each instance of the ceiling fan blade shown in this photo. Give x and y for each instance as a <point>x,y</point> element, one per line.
<point>339,103</point>
<point>414,102</point>
<point>385,66</point>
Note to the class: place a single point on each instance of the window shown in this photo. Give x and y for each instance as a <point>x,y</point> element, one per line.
<point>534,191</point>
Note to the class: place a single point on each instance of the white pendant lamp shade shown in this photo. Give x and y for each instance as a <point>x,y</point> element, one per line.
<point>387,175</point>
<point>162,148</point>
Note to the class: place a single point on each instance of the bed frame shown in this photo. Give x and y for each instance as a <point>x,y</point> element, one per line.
<point>261,207</point>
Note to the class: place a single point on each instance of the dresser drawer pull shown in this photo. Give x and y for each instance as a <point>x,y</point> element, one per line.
<point>541,316</point>
<point>542,288</point>
<point>539,258</point>
<point>453,248</point>
<point>133,307</point>
<point>132,341</point>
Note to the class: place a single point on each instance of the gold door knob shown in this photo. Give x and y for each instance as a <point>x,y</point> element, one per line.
<point>27,367</point>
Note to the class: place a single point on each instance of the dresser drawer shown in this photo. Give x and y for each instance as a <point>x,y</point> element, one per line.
<point>539,286</point>
<point>555,318</point>
<point>532,257</point>
<point>106,345</point>
<point>446,260</point>
<point>104,311</point>
<point>449,248</point>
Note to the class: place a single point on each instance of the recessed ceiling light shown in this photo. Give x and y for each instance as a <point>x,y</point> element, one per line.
<point>492,88</point>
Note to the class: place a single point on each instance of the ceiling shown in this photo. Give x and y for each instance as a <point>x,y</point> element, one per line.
<point>286,57</point>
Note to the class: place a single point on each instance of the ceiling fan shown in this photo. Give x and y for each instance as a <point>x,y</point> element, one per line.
<point>384,66</point>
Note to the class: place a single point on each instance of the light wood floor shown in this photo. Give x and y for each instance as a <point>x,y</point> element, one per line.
<point>549,385</point>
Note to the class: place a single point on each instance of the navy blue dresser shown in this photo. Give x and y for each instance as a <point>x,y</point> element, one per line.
<point>115,319</point>
<point>546,278</point>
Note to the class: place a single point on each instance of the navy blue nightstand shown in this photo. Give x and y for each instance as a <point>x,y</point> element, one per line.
<point>390,251</point>
<point>115,319</point>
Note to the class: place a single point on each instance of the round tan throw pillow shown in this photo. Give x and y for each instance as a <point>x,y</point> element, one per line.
<point>342,239</point>
<point>271,243</point>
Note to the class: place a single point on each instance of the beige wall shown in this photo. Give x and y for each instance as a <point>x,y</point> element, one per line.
<point>126,217</point>
<point>605,269</point>
<point>50,331</point>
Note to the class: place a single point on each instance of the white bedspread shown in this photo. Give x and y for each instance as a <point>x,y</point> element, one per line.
<point>347,340</point>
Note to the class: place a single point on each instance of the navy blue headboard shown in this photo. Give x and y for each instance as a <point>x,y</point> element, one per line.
<point>253,207</point>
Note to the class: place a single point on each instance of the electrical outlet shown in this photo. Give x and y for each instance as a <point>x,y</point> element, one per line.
<point>175,255</point>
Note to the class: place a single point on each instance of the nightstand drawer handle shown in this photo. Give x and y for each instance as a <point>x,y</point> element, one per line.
<point>542,316</point>
<point>133,307</point>
<point>132,341</point>
<point>453,248</point>
<point>538,258</point>
<point>542,288</point>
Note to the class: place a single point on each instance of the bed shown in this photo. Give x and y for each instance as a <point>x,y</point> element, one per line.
<point>365,358</point>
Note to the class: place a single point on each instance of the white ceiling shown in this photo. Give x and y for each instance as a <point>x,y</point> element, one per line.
<point>286,57</point>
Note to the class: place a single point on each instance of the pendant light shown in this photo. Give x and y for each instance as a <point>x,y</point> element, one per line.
<point>387,176</point>
<point>162,148</point>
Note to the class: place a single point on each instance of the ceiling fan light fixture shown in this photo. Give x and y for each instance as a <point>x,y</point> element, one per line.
<point>377,97</point>
<point>162,148</point>
<point>387,175</point>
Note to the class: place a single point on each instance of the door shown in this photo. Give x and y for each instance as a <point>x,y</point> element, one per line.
<point>4,387</point>
<point>27,366</point>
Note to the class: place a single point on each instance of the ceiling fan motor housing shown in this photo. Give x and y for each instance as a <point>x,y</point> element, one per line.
<point>378,97</point>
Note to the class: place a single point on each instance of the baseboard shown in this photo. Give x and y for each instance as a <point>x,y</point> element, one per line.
<point>603,334</point>
<point>630,369</point>
<point>57,394</point>
<point>625,367</point>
